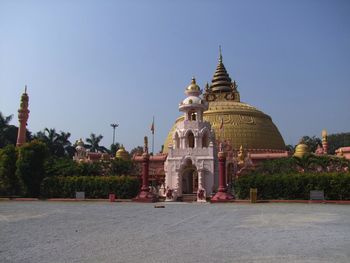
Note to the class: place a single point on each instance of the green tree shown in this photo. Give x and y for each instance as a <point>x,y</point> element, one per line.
<point>138,150</point>
<point>10,184</point>
<point>30,166</point>
<point>114,148</point>
<point>57,143</point>
<point>121,167</point>
<point>312,142</point>
<point>93,143</point>
<point>338,140</point>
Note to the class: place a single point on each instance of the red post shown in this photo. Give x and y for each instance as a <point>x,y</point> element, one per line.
<point>145,195</point>
<point>145,171</point>
<point>222,195</point>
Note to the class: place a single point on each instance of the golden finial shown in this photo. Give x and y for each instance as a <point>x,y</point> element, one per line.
<point>220,54</point>
<point>193,80</point>
<point>324,135</point>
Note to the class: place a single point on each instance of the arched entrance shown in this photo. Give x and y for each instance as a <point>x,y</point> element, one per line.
<point>189,178</point>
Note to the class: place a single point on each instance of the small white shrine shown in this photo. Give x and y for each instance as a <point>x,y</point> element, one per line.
<point>189,167</point>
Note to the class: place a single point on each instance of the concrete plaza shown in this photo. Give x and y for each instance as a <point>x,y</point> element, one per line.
<point>44,231</point>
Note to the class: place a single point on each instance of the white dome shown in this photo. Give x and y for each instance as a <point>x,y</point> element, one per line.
<point>192,100</point>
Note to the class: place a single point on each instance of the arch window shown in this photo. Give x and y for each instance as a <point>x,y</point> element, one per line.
<point>177,141</point>
<point>190,139</point>
<point>205,140</point>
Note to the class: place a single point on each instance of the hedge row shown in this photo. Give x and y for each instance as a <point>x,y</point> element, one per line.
<point>93,186</point>
<point>336,186</point>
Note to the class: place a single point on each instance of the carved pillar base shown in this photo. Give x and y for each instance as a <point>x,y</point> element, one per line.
<point>222,197</point>
<point>145,197</point>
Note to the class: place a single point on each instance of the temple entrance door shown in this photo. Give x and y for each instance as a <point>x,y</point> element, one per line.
<point>189,181</point>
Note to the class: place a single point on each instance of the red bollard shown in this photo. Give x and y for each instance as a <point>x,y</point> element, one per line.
<point>111,197</point>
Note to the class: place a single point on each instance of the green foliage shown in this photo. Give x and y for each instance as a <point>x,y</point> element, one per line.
<point>312,142</point>
<point>10,184</point>
<point>30,166</point>
<point>338,140</point>
<point>138,150</point>
<point>90,169</point>
<point>93,186</point>
<point>121,167</point>
<point>61,167</point>
<point>336,186</point>
<point>308,163</point>
<point>114,148</point>
<point>93,143</point>
<point>57,143</point>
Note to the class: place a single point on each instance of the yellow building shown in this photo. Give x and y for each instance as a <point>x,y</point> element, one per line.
<point>243,124</point>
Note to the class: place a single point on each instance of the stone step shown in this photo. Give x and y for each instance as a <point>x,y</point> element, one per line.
<point>189,197</point>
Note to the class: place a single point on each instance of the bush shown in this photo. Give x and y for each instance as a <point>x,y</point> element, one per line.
<point>10,184</point>
<point>30,166</point>
<point>121,167</point>
<point>336,186</point>
<point>93,186</point>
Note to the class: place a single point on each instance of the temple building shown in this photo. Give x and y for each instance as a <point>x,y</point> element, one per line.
<point>189,166</point>
<point>244,125</point>
<point>213,120</point>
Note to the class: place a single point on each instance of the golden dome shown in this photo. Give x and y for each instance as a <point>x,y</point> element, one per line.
<point>193,86</point>
<point>122,154</point>
<point>301,150</point>
<point>243,124</point>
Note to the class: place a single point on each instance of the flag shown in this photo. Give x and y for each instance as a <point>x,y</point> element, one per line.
<point>152,126</point>
<point>222,124</point>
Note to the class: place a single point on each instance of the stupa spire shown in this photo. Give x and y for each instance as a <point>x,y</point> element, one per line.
<point>221,81</point>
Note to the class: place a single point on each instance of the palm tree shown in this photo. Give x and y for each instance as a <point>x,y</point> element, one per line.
<point>58,143</point>
<point>93,142</point>
<point>4,128</point>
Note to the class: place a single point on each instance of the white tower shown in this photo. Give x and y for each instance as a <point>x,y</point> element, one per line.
<point>189,168</point>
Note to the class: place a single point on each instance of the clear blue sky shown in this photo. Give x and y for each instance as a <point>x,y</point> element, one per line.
<point>90,63</point>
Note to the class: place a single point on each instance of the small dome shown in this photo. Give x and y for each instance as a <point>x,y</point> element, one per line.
<point>301,150</point>
<point>193,88</point>
<point>80,142</point>
<point>191,100</point>
<point>122,154</point>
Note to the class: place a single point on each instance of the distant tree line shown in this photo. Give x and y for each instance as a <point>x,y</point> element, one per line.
<point>49,153</point>
<point>334,141</point>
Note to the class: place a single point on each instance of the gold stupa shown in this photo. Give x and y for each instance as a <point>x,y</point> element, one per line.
<point>243,124</point>
<point>301,149</point>
<point>122,154</point>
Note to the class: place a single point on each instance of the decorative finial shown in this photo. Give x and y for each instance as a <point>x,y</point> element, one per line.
<point>25,89</point>
<point>193,80</point>
<point>207,86</point>
<point>220,54</point>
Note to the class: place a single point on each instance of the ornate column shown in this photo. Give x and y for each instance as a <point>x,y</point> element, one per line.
<point>200,179</point>
<point>23,114</point>
<point>145,195</point>
<point>222,195</point>
<point>324,142</point>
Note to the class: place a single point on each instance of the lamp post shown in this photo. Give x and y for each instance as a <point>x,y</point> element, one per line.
<point>114,125</point>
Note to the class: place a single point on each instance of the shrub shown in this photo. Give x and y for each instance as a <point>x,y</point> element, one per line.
<point>93,186</point>
<point>30,166</point>
<point>336,186</point>
<point>10,184</point>
<point>119,167</point>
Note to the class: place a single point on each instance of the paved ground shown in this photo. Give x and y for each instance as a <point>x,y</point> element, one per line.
<point>124,232</point>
